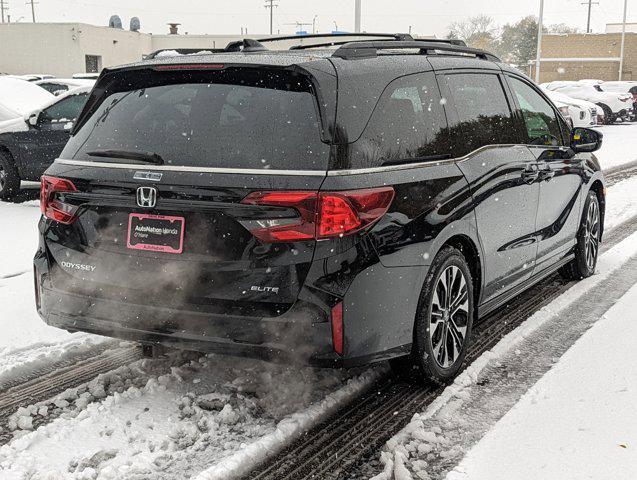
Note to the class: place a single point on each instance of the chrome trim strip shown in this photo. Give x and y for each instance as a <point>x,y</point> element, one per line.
<point>176,168</point>
<point>409,166</point>
<point>301,173</point>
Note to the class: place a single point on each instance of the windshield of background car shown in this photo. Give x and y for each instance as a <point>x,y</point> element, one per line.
<point>234,118</point>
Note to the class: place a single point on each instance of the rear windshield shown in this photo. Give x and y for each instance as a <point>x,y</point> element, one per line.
<point>240,118</point>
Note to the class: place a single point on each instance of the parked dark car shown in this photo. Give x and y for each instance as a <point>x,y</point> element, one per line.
<point>336,207</point>
<point>29,145</point>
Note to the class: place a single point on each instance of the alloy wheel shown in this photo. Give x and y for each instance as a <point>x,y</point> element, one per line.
<point>591,234</point>
<point>449,316</point>
<point>3,178</point>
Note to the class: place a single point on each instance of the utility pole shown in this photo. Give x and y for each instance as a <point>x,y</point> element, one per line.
<point>540,27</point>
<point>621,54</point>
<point>357,16</point>
<point>32,2</point>
<point>590,4</point>
<point>3,7</point>
<point>271,5</point>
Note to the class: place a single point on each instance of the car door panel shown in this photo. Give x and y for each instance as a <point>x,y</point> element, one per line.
<point>502,176</point>
<point>561,181</point>
<point>38,149</point>
<point>561,174</point>
<point>505,203</point>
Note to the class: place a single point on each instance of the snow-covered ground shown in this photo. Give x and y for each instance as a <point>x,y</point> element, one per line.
<point>619,146</point>
<point>166,419</point>
<point>579,420</point>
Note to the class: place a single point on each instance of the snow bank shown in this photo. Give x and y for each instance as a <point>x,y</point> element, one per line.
<point>172,418</point>
<point>619,146</point>
<point>587,400</point>
<point>287,431</point>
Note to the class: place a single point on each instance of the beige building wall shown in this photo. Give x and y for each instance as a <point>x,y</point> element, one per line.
<point>572,57</point>
<point>60,48</point>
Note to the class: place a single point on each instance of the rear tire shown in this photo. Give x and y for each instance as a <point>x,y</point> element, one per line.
<point>609,118</point>
<point>443,322</point>
<point>9,177</point>
<point>588,239</point>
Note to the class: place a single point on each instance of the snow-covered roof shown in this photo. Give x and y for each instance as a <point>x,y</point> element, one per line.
<point>19,97</point>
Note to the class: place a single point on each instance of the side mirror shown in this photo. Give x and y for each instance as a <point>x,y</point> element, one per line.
<point>586,140</point>
<point>33,119</point>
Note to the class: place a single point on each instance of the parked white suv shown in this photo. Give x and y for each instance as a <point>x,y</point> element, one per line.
<point>615,105</point>
<point>581,112</point>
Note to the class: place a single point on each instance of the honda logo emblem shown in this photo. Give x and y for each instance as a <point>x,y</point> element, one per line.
<point>147,197</point>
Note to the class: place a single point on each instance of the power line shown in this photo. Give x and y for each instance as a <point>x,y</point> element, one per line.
<point>271,5</point>
<point>590,4</point>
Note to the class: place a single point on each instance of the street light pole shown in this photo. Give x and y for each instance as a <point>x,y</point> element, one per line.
<point>357,16</point>
<point>539,42</point>
<point>621,53</point>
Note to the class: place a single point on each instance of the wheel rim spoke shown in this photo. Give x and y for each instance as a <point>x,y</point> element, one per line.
<point>449,314</point>
<point>591,243</point>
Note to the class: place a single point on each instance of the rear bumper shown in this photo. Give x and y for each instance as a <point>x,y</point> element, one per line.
<point>296,337</point>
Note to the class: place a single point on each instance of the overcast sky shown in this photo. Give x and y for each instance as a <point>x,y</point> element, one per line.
<point>427,17</point>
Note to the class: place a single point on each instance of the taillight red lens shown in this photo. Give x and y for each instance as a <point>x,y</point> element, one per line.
<point>337,328</point>
<point>322,214</point>
<point>51,205</point>
<point>336,217</point>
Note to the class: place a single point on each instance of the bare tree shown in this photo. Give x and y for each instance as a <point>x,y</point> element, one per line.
<point>480,31</point>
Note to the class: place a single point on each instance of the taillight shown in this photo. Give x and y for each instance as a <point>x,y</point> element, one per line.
<point>337,328</point>
<point>52,190</point>
<point>322,215</point>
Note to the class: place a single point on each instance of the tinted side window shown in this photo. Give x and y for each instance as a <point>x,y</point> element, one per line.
<point>66,110</point>
<point>408,124</point>
<point>484,115</point>
<point>541,123</point>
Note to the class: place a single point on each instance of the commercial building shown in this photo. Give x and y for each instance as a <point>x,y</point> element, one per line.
<point>579,56</point>
<point>63,49</point>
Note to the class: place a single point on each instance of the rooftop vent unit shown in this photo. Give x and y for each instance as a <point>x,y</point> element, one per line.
<point>115,22</point>
<point>135,24</point>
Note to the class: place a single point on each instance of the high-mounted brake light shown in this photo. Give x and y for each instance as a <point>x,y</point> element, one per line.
<point>191,66</point>
<point>322,215</point>
<point>52,206</point>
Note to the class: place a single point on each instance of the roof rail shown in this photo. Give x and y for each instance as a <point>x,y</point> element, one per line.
<point>394,36</point>
<point>355,50</point>
<point>345,42</point>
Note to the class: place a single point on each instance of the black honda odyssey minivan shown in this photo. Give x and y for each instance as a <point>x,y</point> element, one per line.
<point>336,203</point>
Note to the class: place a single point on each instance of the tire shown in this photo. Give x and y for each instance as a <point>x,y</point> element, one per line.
<point>9,177</point>
<point>588,239</point>
<point>432,358</point>
<point>609,118</point>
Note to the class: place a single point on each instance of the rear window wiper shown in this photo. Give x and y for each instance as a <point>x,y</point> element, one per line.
<point>144,157</point>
